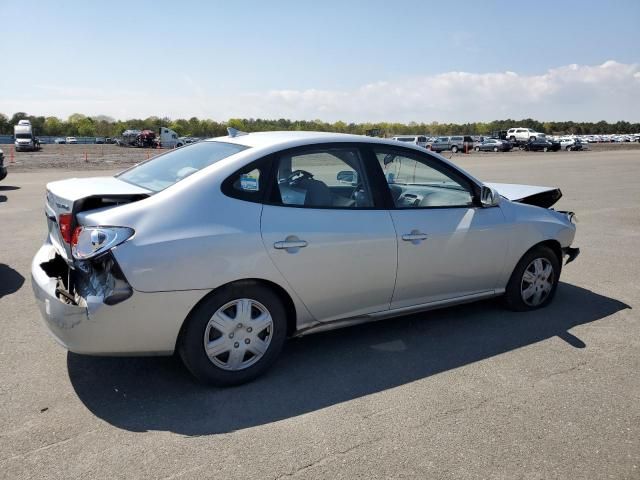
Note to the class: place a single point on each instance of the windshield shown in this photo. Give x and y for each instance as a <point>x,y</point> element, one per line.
<point>165,170</point>
<point>23,135</point>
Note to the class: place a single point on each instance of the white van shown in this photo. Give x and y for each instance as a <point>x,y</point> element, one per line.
<point>419,140</point>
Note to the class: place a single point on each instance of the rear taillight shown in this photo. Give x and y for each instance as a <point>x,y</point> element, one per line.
<point>64,222</point>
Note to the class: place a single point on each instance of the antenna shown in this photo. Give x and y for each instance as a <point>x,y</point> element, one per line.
<point>234,132</point>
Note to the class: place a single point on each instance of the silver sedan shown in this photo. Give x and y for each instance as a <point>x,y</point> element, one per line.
<point>223,249</point>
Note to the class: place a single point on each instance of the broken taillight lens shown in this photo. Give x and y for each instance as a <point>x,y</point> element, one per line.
<point>90,242</point>
<point>64,222</point>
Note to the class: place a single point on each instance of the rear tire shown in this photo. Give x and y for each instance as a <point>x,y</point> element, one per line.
<point>495,149</point>
<point>243,327</point>
<point>477,149</point>
<point>534,281</point>
<point>454,149</point>
<point>545,149</point>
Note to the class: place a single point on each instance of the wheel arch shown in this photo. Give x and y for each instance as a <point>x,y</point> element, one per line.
<point>284,296</point>
<point>552,244</point>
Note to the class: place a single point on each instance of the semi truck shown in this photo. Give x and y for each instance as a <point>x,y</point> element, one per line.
<point>166,138</point>
<point>24,139</point>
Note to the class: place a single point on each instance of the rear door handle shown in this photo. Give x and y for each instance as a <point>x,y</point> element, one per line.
<point>290,244</point>
<point>415,236</point>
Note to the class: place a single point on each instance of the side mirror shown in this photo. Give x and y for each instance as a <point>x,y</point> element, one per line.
<point>389,158</point>
<point>489,197</point>
<point>347,176</point>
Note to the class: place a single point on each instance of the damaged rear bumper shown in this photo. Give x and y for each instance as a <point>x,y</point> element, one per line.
<point>143,324</point>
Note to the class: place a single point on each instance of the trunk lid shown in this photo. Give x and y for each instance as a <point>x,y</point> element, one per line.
<point>543,197</point>
<point>76,195</point>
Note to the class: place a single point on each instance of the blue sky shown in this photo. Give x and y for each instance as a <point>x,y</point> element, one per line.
<point>355,61</point>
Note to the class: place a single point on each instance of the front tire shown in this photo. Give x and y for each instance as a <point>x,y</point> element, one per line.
<point>454,149</point>
<point>234,335</point>
<point>534,281</point>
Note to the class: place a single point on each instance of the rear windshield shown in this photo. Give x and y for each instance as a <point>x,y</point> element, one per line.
<point>165,170</point>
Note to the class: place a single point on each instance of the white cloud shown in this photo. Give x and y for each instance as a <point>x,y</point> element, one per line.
<point>610,91</point>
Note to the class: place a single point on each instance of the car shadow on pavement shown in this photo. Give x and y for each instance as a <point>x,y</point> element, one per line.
<point>3,198</point>
<point>10,280</point>
<point>4,188</point>
<point>321,370</point>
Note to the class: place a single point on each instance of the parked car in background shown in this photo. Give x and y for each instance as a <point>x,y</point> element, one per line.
<point>542,145</point>
<point>569,143</point>
<point>493,145</point>
<point>523,135</point>
<point>100,140</point>
<point>456,143</point>
<point>71,140</point>
<point>3,168</point>
<point>311,232</point>
<point>419,140</point>
<point>60,141</point>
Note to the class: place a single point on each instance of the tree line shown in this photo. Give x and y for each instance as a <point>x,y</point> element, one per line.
<point>103,126</point>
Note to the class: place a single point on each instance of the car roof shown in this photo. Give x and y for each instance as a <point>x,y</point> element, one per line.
<point>287,139</point>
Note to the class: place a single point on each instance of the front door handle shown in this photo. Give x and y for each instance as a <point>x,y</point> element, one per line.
<point>415,236</point>
<point>291,244</point>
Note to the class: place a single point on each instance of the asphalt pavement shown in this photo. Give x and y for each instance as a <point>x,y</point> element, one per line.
<point>472,392</point>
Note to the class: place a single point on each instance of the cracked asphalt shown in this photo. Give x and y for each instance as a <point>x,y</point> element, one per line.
<point>470,392</point>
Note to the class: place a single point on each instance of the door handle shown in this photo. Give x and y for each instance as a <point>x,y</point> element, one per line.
<point>286,244</point>
<point>291,244</point>
<point>415,236</point>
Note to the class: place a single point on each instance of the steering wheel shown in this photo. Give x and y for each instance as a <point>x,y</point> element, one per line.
<point>298,176</point>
